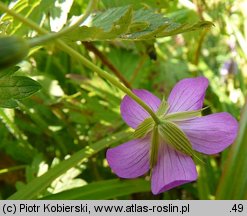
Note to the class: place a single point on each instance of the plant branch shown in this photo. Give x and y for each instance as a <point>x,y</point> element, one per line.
<point>138,68</point>
<point>89,46</point>
<point>51,36</point>
<point>199,46</point>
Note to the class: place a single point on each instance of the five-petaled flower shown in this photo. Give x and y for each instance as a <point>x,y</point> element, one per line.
<point>209,134</point>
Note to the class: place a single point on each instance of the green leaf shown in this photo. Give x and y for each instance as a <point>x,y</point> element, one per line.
<point>138,26</point>
<point>233,181</point>
<point>25,150</point>
<point>8,103</point>
<point>33,189</point>
<point>107,25</point>
<point>8,72</point>
<point>144,128</point>
<point>101,190</point>
<point>15,88</point>
<point>156,24</point>
<point>125,24</point>
<point>108,19</point>
<point>177,28</point>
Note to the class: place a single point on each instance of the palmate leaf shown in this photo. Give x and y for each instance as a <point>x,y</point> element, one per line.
<point>124,23</point>
<point>107,25</point>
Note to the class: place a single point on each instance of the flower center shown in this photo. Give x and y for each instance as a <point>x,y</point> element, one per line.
<point>167,131</point>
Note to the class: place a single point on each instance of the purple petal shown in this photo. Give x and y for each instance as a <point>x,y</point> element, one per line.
<point>132,113</point>
<point>212,133</point>
<point>188,94</point>
<point>172,169</point>
<point>130,159</point>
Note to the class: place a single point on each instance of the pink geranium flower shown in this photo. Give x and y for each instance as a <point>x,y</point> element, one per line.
<point>209,134</point>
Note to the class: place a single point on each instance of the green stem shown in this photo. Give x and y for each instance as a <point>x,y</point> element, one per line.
<point>52,36</point>
<point>199,46</point>
<point>81,58</point>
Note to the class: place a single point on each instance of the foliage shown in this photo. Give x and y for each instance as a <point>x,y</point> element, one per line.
<point>65,116</point>
<point>124,23</point>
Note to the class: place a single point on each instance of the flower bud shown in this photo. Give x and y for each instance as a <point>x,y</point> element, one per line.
<point>12,50</point>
